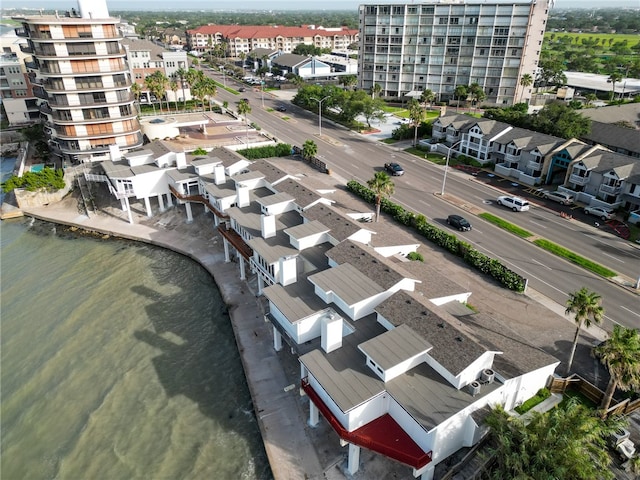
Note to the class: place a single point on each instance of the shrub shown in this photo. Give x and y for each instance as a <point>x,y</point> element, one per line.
<point>415,256</point>
<point>47,178</point>
<point>267,151</point>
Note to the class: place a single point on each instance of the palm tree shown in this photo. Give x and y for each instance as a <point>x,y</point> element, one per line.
<point>427,96</point>
<point>477,94</point>
<point>157,83</point>
<point>460,91</point>
<point>525,81</point>
<point>242,56</point>
<point>586,307</point>
<point>416,114</point>
<point>613,78</point>
<point>309,149</point>
<point>620,353</point>
<point>381,185</point>
<point>590,97</point>
<point>173,85</point>
<point>375,90</point>
<point>348,81</point>
<point>181,73</point>
<point>209,90</point>
<point>136,89</point>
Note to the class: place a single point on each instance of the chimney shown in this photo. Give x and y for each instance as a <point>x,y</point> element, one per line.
<point>243,196</point>
<point>219,176</point>
<point>268,225</point>
<point>181,159</point>
<point>288,270</point>
<point>331,332</point>
<point>114,152</point>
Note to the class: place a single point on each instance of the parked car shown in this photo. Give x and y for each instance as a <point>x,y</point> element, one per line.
<point>281,108</point>
<point>516,204</point>
<point>599,212</point>
<point>560,197</point>
<point>394,169</point>
<point>461,223</point>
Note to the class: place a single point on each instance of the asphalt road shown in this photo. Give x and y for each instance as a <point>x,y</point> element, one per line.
<point>351,156</point>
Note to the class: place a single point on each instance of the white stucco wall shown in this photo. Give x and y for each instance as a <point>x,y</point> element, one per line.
<point>367,412</point>
<point>403,250</point>
<point>362,236</point>
<point>150,184</point>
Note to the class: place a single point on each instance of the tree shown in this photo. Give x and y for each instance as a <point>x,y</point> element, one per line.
<point>590,97</point>
<point>375,90</point>
<point>525,81</point>
<point>416,114</point>
<point>381,185</point>
<point>614,77</point>
<point>157,83</point>
<point>460,92</point>
<point>194,78</point>
<point>427,97</point>
<point>372,109</point>
<point>564,443</point>
<point>244,109</point>
<point>181,73</point>
<point>309,150</point>
<point>477,94</point>
<point>242,56</point>
<point>620,353</point>
<point>136,89</point>
<point>173,85</point>
<point>585,305</point>
<point>348,81</point>
<point>209,90</point>
<point>558,119</point>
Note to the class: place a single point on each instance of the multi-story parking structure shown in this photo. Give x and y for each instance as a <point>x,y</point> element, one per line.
<point>438,45</point>
<point>79,71</point>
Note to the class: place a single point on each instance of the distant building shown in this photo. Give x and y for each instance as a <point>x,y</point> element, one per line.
<point>80,73</point>
<point>19,104</point>
<point>242,39</point>
<point>409,48</point>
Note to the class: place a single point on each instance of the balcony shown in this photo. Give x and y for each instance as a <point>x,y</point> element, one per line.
<point>22,32</point>
<point>610,189</point>
<point>32,65</point>
<point>45,109</point>
<point>533,165</point>
<point>39,92</point>
<point>26,48</point>
<point>578,180</point>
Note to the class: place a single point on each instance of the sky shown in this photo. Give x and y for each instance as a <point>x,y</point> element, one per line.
<point>172,5</point>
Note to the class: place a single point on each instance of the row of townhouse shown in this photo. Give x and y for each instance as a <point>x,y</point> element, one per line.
<point>321,66</point>
<point>242,39</point>
<point>390,355</point>
<point>592,173</point>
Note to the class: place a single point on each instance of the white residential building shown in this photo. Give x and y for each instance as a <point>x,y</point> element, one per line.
<point>408,48</point>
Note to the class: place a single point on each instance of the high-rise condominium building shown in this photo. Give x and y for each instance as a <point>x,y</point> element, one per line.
<point>78,68</point>
<point>438,45</point>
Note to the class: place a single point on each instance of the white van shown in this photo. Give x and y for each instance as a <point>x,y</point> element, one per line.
<point>516,204</point>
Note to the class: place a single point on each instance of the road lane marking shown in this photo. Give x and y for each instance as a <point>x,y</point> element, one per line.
<point>541,264</point>
<point>538,224</point>
<point>630,311</point>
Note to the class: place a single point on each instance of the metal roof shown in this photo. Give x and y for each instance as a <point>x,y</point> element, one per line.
<point>347,282</point>
<point>394,347</point>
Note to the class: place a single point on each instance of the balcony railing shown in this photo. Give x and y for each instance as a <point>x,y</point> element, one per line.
<point>610,189</point>
<point>39,92</point>
<point>533,165</point>
<point>578,180</point>
<point>46,109</point>
<point>26,48</point>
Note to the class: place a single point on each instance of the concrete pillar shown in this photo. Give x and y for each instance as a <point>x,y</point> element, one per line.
<point>428,473</point>
<point>354,459</point>
<point>242,268</point>
<point>260,284</point>
<point>204,205</point>
<point>161,203</point>
<point>169,200</point>
<point>124,203</point>
<point>128,209</point>
<point>147,206</point>
<point>313,414</point>
<point>189,214</point>
<point>277,340</point>
<point>227,257</point>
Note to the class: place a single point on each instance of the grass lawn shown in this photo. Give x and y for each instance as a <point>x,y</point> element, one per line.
<point>570,393</point>
<point>537,399</point>
<point>575,258</point>
<point>615,37</point>
<point>509,227</point>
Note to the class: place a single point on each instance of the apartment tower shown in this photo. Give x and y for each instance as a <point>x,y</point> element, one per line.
<point>437,45</point>
<point>79,71</point>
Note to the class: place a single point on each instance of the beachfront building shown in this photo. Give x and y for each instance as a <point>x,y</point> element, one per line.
<point>438,45</point>
<point>80,74</point>
<point>19,105</point>
<point>238,40</point>
<point>390,356</point>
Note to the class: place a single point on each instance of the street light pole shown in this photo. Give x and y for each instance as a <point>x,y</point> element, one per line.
<point>446,165</point>
<point>320,113</point>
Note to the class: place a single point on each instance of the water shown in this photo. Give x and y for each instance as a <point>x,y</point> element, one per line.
<point>118,361</point>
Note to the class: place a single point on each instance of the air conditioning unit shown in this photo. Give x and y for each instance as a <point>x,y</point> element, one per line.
<point>487,375</point>
<point>474,388</point>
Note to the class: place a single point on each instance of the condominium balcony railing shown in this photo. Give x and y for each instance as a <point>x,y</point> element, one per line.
<point>533,165</point>
<point>578,180</point>
<point>72,148</point>
<point>610,189</point>
<point>26,48</point>
<point>22,32</point>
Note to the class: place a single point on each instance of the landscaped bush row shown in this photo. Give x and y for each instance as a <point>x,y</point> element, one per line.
<point>267,151</point>
<point>471,256</point>
<point>46,178</point>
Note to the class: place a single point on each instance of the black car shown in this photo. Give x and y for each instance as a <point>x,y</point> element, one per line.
<point>242,89</point>
<point>459,222</point>
<point>281,108</point>
<point>394,169</point>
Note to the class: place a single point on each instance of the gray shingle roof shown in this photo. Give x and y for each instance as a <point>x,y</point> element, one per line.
<point>271,173</point>
<point>302,195</point>
<point>341,227</point>
<point>347,282</point>
<point>395,347</point>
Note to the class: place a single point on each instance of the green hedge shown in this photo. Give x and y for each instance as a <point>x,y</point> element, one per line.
<point>267,151</point>
<point>471,256</point>
<point>46,178</point>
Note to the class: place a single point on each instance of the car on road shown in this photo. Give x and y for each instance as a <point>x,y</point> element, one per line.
<point>599,212</point>
<point>561,197</point>
<point>242,89</point>
<point>459,222</point>
<point>281,108</point>
<point>394,169</point>
<point>516,204</point>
